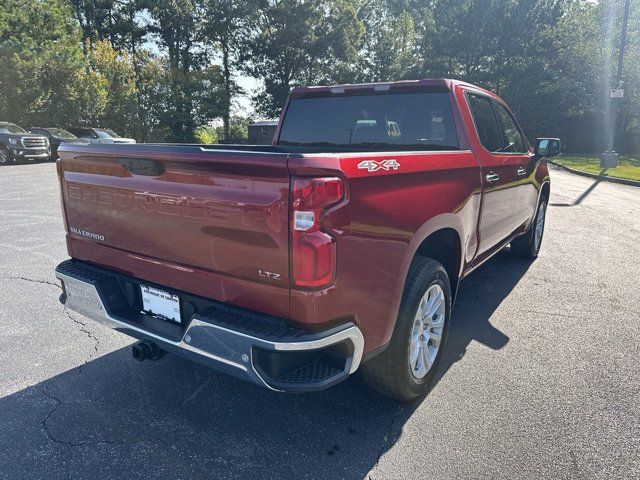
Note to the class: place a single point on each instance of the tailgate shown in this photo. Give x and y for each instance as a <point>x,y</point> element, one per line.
<point>218,211</point>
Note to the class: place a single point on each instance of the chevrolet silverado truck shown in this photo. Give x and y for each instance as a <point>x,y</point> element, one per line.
<point>339,247</point>
<point>17,144</point>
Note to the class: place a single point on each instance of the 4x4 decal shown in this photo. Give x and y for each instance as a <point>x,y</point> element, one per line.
<point>374,166</point>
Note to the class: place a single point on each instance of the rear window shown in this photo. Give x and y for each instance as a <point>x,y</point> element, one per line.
<point>400,121</point>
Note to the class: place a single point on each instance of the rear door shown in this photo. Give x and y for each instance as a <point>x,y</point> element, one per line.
<point>498,174</point>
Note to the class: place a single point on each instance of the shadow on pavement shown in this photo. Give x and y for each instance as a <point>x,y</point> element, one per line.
<point>116,418</point>
<point>582,196</point>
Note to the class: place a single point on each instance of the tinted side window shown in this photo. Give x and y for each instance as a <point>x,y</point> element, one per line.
<point>486,123</point>
<point>83,132</point>
<point>512,136</point>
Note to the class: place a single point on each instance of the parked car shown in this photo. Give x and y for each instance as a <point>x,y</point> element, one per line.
<point>100,135</point>
<point>56,137</point>
<point>16,144</point>
<point>340,247</point>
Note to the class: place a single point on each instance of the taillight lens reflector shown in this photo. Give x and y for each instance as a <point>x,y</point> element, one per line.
<point>313,249</point>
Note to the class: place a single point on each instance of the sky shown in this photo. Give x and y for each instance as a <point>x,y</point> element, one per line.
<point>243,103</point>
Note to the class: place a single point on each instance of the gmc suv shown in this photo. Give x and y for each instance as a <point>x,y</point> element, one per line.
<point>16,144</point>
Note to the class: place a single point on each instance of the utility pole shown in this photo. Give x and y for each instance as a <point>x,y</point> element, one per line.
<point>609,159</point>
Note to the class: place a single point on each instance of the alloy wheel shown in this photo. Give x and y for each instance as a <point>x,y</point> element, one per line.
<point>426,334</point>
<point>540,225</point>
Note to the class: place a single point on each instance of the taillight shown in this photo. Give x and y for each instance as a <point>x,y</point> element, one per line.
<point>313,250</point>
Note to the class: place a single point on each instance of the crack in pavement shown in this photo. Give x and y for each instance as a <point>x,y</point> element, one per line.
<point>36,280</point>
<point>197,391</point>
<point>83,329</point>
<point>56,440</point>
<point>385,438</point>
<point>574,463</point>
<point>44,425</point>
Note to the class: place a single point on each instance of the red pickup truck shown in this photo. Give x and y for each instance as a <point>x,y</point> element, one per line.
<point>340,246</point>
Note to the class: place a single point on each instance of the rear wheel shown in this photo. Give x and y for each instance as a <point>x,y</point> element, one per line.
<point>5,155</point>
<point>528,245</point>
<point>407,367</point>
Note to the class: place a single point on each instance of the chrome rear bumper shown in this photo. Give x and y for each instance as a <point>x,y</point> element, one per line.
<point>243,344</point>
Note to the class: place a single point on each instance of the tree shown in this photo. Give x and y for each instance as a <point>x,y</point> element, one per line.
<point>42,78</point>
<point>392,51</point>
<point>226,24</point>
<point>301,42</point>
<point>175,23</point>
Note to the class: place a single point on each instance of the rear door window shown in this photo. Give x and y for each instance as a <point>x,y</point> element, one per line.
<point>485,121</point>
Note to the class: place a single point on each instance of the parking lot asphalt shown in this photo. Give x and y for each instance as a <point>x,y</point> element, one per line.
<point>541,378</point>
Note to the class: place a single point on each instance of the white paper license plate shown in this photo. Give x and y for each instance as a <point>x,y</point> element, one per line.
<point>160,303</point>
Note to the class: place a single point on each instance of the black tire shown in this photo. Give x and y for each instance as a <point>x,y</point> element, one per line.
<point>525,246</point>
<point>389,373</point>
<point>5,156</point>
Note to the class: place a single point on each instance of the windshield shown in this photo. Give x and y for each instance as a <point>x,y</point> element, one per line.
<point>106,133</point>
<point>399,121</point>
<point>60,133</point>
<point>11,128</point>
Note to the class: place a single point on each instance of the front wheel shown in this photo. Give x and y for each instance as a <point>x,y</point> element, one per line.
<point>5,155</point>
<point>407,367</point>
<point>528,245</point>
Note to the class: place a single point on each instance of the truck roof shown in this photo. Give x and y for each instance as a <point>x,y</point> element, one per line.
<point>445,83</point>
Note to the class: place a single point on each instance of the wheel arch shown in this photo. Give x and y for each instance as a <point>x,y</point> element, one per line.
<point>440,239</point>
<point>444,246</point>
<point>545,190</point>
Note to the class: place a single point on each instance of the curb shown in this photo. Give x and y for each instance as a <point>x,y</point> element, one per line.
<point>623,181</point>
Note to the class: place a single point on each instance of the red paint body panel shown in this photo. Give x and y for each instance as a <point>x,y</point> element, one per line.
<point>379,226</point>
<point>217,222</point>
<point>222,216</point>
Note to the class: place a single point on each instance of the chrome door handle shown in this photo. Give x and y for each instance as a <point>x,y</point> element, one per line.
<point>492,177</point>
<point>522,171</point>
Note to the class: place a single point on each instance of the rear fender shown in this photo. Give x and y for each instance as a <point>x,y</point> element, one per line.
<point>433,225</point>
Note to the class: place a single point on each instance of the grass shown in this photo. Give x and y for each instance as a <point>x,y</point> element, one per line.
<point>628,167</point>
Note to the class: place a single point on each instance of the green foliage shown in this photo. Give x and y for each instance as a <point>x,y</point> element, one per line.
<point>206,135</point>
<point>238,130</point>
<point>168,69</point>
<point>41,66</point>
<point>394,53</point>
<point>301,42</point>
<point>226,24</point>
<point>627,168</point>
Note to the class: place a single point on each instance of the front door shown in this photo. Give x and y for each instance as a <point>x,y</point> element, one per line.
<point>515,143</point>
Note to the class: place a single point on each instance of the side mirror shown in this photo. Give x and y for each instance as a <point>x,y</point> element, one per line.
<point>548,147</point>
